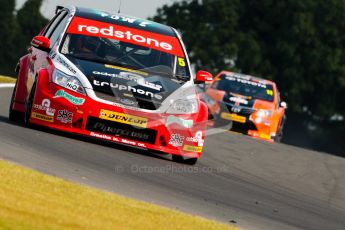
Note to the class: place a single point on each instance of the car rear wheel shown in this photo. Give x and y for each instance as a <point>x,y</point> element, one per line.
<point>14,115</point>
<point>28,106</point>
<point>279,136</point>
<point>180,159</point>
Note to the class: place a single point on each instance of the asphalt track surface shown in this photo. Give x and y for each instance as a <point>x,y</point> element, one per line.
<point>251,183</point>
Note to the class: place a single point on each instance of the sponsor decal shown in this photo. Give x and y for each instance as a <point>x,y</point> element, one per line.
<point>156,41</point>
<point>233,117</point>
<point>181,62</point>
<point>36,42</point>
<point>102,136</point>
<point>128,142</point>
<point>142,145</point>
<point>265,136</point>
<point>44,106</point>
<point>74,100</point>
<point>123,118</point>
<point>128,88</point>
<point>64,63</point>
<point>176,120</point>
<point>65,116</point>
<point>42,117</point>
<point>196,139</point>
<point>141,81</point>
<point>176,140</point>
<point>126,19</point>
<point>72,86</point>
<point>190,148</point>
<point>239,100</point>
<point>127,101</point>
<point>117,139</point>
<point>236,109</point>
<point>131,77</point>
<point>120,132</point>
<point>125,69</point>
<point>269,92</point>
<point>245,81</point>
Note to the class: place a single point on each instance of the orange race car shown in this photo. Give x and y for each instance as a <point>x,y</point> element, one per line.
<point>247,104</point>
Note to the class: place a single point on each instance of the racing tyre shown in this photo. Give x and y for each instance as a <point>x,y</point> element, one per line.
<point>279,136</point>
<point>14,115</point>
<point>28,106</point>
<point>180,159</point>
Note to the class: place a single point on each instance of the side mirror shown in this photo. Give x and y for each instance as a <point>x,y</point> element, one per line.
<point>202,77</point>
<point>41,43</point>
<point>283,104</point>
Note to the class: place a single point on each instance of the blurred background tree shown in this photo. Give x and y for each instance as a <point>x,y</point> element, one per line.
<point>208,28</point>
<point>17,30</point>
<point>8,28</point>
<point>30,22</point>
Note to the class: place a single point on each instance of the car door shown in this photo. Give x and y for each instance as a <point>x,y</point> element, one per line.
<point>38,57</point>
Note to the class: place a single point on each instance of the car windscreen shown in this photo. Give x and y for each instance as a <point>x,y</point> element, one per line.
<point>250,89</point>
<point>105,43</point>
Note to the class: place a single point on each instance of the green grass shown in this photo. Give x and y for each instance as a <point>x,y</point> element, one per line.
<point>4,79</point>
<point>32,200</point>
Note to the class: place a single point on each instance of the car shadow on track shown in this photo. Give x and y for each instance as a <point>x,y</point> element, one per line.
<point>92,140</point>
<point>4,119</point>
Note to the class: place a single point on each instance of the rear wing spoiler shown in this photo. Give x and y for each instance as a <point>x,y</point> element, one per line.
<point>58,8</point>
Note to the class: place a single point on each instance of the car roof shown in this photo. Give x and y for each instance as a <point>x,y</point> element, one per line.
<point>124,20</point>
<point>247,77</point>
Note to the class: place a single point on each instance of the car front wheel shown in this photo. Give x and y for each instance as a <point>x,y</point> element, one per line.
<point>14,115</point>
<point>28,106</point>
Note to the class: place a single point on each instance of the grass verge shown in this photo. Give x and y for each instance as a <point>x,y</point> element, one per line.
<point>32,200</point>
<point>4,79</point>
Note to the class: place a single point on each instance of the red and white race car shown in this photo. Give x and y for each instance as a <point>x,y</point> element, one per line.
<point>113,77</point>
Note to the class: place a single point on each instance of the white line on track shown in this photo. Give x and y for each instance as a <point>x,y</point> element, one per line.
<point>7,85</point>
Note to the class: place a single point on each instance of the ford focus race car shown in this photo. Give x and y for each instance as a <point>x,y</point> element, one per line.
<point>251,105</point>
<point>113,77</point>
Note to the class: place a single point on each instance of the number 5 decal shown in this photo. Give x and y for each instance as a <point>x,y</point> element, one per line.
<point>181,62</point>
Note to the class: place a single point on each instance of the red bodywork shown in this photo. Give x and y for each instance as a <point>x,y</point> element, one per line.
<point>48,104</point>
<point>39,62</point>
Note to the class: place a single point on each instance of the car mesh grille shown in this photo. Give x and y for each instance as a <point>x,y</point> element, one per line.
<point>244,111</point>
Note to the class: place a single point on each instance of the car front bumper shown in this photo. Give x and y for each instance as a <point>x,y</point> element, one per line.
<point>62,109</point>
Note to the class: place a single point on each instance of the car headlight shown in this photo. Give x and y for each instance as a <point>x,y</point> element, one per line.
<point>68,82</point>
<point>185,106</point>
<point>264,113</point>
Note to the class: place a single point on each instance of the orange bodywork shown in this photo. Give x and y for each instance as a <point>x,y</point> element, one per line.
<point>262,119</point>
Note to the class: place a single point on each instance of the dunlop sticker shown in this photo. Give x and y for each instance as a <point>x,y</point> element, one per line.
<point>42,117</point>
<point>123,118</point>
<point>190,148</point>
